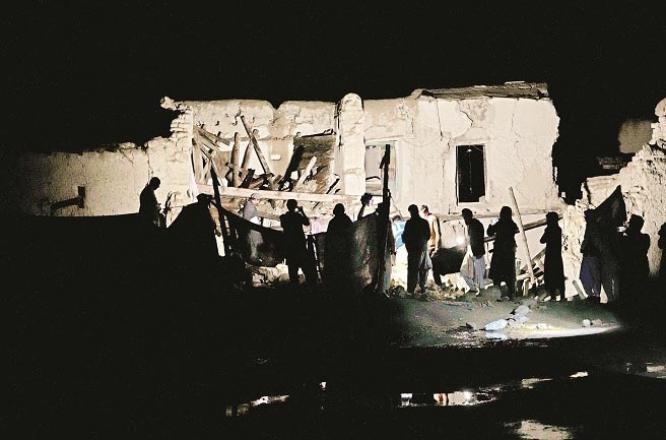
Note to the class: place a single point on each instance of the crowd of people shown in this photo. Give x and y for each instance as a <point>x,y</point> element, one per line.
<point>421,235</point>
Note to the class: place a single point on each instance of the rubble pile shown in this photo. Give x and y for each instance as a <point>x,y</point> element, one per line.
<point>642,184</point>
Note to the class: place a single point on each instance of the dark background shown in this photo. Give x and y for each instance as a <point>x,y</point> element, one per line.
<point>80,74</point>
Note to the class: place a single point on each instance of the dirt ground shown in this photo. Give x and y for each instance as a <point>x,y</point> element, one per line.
<point>434,321</point>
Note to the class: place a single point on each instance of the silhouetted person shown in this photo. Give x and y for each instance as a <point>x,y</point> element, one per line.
<point>415,236</point>
<point>340,223</point>
<point>477,246</point>
<point>503,262</point>
<point>634,247</point>
<point>294,239</point>
<point>662,245</point>
<point>149,209</point>
<point>366,200</point>
<point>553,267</point>
<point>590,269</point>
<point>337,254</point>
<point>610,249</point>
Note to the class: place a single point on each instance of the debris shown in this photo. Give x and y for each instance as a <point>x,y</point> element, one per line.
<point>597,322</point>
<point>496,325</point>
<point>472,326</point>
<point>587,323</point>
<point>518,321</point>
<point>521,310</point>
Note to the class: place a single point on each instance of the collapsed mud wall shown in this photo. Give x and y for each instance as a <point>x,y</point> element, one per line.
<point>642,182</point>
<point>113,177</point>
<point>276,128</point>
<point>517,134</point>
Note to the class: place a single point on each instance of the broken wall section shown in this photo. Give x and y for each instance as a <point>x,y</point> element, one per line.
<point>642,183</point>
<point>113,177</point>
<point>277,128</point>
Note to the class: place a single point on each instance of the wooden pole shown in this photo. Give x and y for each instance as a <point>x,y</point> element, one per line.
<point>246,156</point>
<point>384,225</point>
<point>255,144</point>
<point>305,172</point>
<point>277,195</point>
<point>218,202</point>
<point>523,237</point>
<point>235,160</point>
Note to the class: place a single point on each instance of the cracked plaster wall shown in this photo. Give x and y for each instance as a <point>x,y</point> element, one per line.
<point>113,178</point>
<point>518,136</point>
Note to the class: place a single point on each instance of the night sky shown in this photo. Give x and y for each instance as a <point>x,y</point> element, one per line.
<point>78,74</point>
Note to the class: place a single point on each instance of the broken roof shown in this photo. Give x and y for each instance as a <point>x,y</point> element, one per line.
<point>513,89</point>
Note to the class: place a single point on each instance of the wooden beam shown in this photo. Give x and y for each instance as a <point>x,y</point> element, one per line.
<point>523,237</point>
<point>196,161</point>
<point>212,138</point>
<point>278,195</point>
<point>255,144</point>
<point>235,161</point>
<point>305,173</point>
<point>246,156</point>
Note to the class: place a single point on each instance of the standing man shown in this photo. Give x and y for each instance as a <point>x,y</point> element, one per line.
<point>477,248</point>
<point>150,211</point>
<point>435,235</point>
<point>415,236</point>
<point>292,224</point>
<point>503,263</point>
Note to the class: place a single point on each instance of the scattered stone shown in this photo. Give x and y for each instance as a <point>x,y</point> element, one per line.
<point>529,302</point>
<point>521,310</point>
<point>518,321</point>
<point>496,335</point>
<point>587,323</point>
<point>496,325</point>
<point>472,326</point>
<point>597,322</point>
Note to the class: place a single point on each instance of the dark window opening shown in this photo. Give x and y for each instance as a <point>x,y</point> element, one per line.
<point>471,173</point>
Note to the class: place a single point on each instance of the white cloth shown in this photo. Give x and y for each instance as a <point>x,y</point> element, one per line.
<point>473,270</point>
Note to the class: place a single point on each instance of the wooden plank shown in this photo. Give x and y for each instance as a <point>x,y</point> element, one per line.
<point>196,161</point>
<point>255,144</point>
<point>213,139</point>
<point>523,237</point>
<point>246,157</point>
<point>247,178</point>
<point>278,195</point>
<point>235,161</point>
<point>306,172</point>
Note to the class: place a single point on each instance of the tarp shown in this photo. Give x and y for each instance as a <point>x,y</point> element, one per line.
<point>358,257</point>
<point>259,246</point>
<point>602,234</point>
<point>359,260</point>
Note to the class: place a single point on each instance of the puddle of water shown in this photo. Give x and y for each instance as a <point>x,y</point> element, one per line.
<point>455,398</point>
<point>465,397</point>
<point>532,429</point>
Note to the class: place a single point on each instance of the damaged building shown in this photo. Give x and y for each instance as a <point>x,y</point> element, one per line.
<point>449,149</point>
<point>641,185</point>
